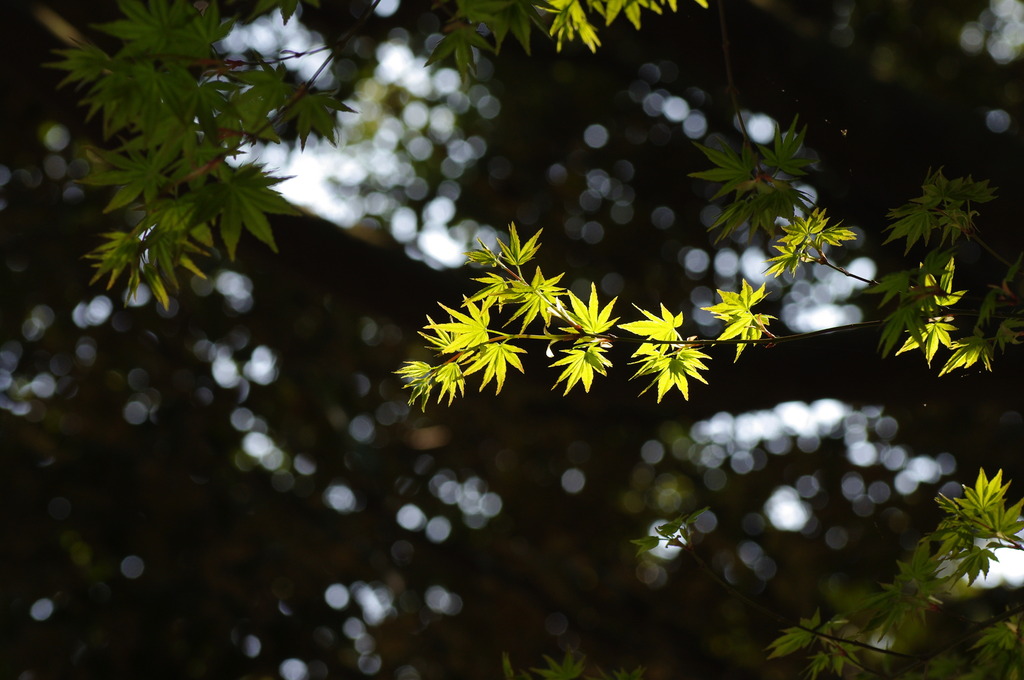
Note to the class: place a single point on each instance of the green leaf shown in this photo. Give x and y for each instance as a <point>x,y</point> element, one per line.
<point>498,287</point>
<point>802,234</point>
<point>570,19</point>
<point>450,380</point>
<point>976,563</point>
<point>967,352</point>
<point>980,516</point>
<point>905,319</point>
<point>315,113</point>
<point>243,199</point>
<point>569,669</point>
<point>1000,645</point>
<point>495,358</point>
<point>1010,332</point>
<point>995,297</point>
<point>632,9</point>
<point>945,206</point>
<point>287,8</point>
<point>795,638</point>
<point>581,363</point>
<point>467,330</point>
<point>987,493</point>
<point>480,11</point>
<point>141,174</point>
<point>656,328</point>
<point>672,368</point>
<point>783,154</point>
<point>517,253</point>
<point>645,544</point>
<point>669,529</point>
<point>767,200</point>
<point>151,251</point>
<point>518,16</point>
<point>893,285</point>
<point>622,674</point>
<point>790,259</point>
<point>731,169</point>
<point>268,90</point>
<point>536,299</point>
<point>590,318</point>
<point>459,43</point>
<point>85,63</point>
<point>483,256</point>
<point>762,196</point>
<point>418,376</point>
<point>161,28</point>
<point>736,310</point>
<point>441,338</point>
<point>506,667</point>
<point>934,334</point>
<point>944,296</point>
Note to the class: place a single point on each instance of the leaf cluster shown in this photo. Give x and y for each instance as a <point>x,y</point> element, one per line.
<point>944,208</point>
<point>977,524</point>
<point>760,181</point>
<point>736,310</point>
<point>831,653</point>
<point>805,239</point>
<point>677,533</point>
<point>181,115</point>
<point>483,25</point>
<point>670,361</point>
<point>470,341</point>
<point>925,315</point>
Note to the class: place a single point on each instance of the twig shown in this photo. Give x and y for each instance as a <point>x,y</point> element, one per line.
<point>731,86</point>
<point>991,251</point>
<point>762,609</point>
<point>304,89</point>
<point>924,659</point>
<point>822,259</point>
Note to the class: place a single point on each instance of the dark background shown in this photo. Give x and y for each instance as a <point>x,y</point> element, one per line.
<point>233,552</point>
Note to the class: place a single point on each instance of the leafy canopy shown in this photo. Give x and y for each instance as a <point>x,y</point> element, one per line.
<point>180,116</point>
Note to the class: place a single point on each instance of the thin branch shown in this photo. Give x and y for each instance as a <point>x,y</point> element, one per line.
<point>924,659</point>
<point>823,259</point>
<point>731,86</point>
<point>698,342</point>
<point>785,621</point>
<point>612,339</point>
<point>304,89</point>
<point>991,251</point>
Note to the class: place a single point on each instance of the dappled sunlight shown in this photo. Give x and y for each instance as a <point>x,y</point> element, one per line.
<point>406,116</point>
<point>786,511</point>
<point>999,31</point>
<point>477,504</point>
<point>822,300</point>
<point>690,467</point>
